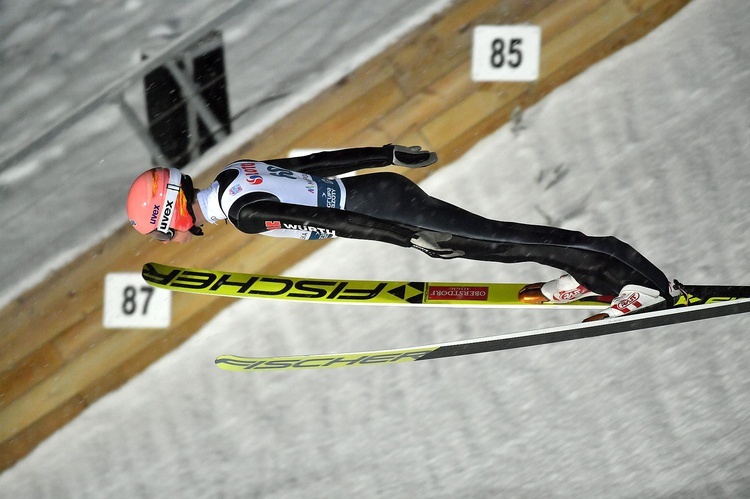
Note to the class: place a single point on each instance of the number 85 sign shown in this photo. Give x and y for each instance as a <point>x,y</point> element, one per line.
<point>131,303</point>
<point>506,53</point>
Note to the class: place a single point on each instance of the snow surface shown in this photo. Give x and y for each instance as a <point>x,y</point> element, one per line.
<point>650,145</point>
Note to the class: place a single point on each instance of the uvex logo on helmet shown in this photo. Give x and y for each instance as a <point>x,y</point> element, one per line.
<point>166,216</point>
<point>154,214</point>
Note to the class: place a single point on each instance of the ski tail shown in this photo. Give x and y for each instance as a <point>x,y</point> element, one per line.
<point>699,293</point>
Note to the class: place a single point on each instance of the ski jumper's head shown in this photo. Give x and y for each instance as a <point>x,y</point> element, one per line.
<point>160,204</point>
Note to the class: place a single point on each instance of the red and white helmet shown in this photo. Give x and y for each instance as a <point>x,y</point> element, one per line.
<point>159,203</point>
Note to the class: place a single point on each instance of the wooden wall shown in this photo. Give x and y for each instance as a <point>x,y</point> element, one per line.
<point>55,356</point>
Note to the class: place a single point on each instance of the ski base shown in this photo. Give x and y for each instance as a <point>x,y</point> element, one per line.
<point>625,323</point>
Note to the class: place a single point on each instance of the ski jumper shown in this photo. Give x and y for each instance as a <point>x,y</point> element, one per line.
<point>295,197</point>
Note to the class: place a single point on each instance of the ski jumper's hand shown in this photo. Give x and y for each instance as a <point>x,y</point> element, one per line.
<point>429,242</point>
<point>413,156</point>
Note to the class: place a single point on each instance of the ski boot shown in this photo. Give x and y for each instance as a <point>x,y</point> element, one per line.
<point>631,300</point>
<point>563,290</point>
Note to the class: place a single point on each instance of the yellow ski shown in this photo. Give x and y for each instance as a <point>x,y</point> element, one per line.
<point>310,289</point>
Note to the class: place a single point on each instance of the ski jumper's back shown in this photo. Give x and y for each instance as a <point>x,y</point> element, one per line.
<point>243,181</point>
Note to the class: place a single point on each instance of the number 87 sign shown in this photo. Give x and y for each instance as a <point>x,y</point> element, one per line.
<point>131,303</point>
<point>506,53</point>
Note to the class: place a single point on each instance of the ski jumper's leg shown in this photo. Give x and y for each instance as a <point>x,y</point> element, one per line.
<point>602,264</point>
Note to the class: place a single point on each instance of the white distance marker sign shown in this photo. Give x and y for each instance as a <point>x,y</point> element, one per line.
<point>129,302</point>
<point>506,53</point>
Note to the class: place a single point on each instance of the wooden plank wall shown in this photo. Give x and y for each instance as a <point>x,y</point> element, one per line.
<point>55,356</point>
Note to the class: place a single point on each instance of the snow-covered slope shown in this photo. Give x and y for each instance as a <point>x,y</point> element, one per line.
<point>650,145</point>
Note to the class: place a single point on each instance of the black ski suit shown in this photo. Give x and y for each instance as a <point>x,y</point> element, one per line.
<point>391,208</point>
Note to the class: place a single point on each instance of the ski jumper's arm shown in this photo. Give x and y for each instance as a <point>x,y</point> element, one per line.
<point>332,163</point>
<point>266,211</point>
